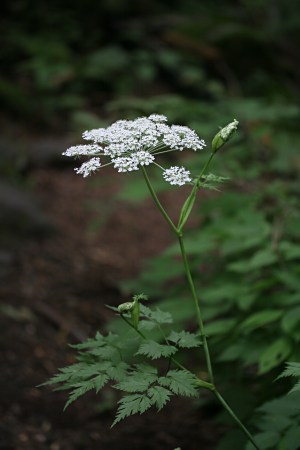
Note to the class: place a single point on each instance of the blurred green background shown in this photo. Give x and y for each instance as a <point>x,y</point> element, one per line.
<point>64,63</point>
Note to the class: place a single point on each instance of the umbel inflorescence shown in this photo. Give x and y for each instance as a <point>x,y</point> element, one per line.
<point>130,144</point>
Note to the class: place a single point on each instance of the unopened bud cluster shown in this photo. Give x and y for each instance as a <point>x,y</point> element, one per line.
<point>224,135</point>
<point>125,307</point>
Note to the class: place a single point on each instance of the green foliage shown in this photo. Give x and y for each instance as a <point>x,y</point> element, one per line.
<point>245,254</point>
<point>115,359</point>
<point>240,245</point>
<point>211,181</point>
<point>292,370</point>
<point>154,350</point>
<point>274,354</point>
<point>139,379</point>
<point>73,62</point>
<point>152,390</point>
<point>156,316</point>
<point>279,424</point>
<point>96,366</point>
<point>184,339</point>
<point>180,382</point>
<point>132,404</point>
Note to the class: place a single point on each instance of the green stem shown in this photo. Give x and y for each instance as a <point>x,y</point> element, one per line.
<point>197,307</point>
<point>156,201</point>
<point>237,420</point>
<point>205,167</point>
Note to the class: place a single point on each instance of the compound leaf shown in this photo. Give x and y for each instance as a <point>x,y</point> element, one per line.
<point>184,339</point>
<point>159,396</point>
<point>180,382</point>
<point>139,379</point>
<point>85,386</point>
<point>154,350</point>
<point>132,404</point>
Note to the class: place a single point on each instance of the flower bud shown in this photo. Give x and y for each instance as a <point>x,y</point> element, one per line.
<point>125,307</point>
<point>224,135</point>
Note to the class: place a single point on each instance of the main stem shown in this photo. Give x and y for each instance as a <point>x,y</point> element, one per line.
<point>197,307</point>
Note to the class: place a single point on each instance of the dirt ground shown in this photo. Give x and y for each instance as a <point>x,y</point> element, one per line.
<point>54,294</point>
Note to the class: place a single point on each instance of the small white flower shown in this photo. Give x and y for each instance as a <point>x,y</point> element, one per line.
<point>96,135</point>
<point>115,149</point>
<point>79,150</point>
<point>126,164</point>
<point>149,140</point>
<point>144,158</point>
<point>180,137</point>
<point>177,175</point>
<point>158,118</point>
<point>88,167</point>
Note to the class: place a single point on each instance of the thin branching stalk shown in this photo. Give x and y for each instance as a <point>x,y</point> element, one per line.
<point>156,201</point>
<point>197,308</point>
<point>234,416</point>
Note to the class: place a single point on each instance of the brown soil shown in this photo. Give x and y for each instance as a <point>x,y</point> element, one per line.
<point>55,294</point>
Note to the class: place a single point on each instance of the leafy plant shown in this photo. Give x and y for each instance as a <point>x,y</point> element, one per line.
<point>244,256</point>
<point>279,423</point>
<point>103,359</point>
<point>130,146</point>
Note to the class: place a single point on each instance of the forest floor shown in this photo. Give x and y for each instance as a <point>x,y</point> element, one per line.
<point>55,293</point>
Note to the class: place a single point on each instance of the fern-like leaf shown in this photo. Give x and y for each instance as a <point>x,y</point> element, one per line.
<point>295,388</point>
<point>159,396</point>
<point>154,350</point>
<point>65,374</point>
<point>180,382</point>
<point>117,372</point>
<point>99,381</point>
<point>210,181</point>
<point>292,370</point>
<point>161,317</point>
<point>105,352</point>
<point>139,379</point>
<point>184,339</point>
<point>81,388</point>
<point>90,343</point>
<point>132,404</point>
<point>157,316</point>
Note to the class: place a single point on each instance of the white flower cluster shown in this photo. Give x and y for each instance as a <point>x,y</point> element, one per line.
<point>177,175</point>
<point>133,143</point>
<point>129,163</point>
<point>88,167</point>
<point>82,150</point>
